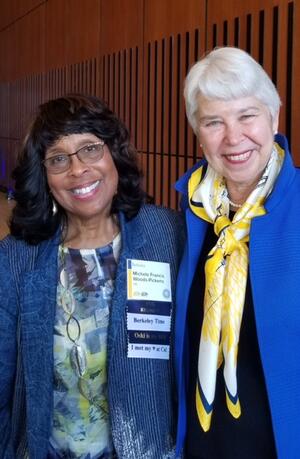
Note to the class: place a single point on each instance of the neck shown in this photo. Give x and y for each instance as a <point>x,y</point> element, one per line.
<point>90,234</point>
<point>238,194</point>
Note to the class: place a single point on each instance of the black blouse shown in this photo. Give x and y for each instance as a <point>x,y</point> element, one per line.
<point>251,435</point>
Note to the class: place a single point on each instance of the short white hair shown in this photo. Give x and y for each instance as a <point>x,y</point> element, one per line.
<point>225,74</point>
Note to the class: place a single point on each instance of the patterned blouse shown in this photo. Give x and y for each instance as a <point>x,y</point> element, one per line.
<point>81,426</point>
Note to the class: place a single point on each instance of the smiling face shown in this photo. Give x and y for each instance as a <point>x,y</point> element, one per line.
<point>85,191</point>
<point>237,138</point>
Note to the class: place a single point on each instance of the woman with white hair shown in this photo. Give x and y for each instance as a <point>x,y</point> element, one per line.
<point>238,315</point>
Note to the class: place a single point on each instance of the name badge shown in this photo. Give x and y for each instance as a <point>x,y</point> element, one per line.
<point>149,308</point>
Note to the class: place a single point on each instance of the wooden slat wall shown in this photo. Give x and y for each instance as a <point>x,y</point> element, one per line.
<point>135,54</point>
<point>121,88</point>
<point>169,147</point>
<point>174,38</point>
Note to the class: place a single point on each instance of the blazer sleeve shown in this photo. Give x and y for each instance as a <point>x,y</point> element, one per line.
<point>8,353</point>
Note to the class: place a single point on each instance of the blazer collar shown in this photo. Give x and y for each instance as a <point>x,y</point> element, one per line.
<point>133,238</point>
<point>285,177</point>
<point>132,233</point>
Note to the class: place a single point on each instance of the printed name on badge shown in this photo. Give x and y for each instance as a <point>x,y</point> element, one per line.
<point>148,280</point>
<point>148,309</point>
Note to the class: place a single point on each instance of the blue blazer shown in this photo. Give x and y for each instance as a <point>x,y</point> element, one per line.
<point>141,392</point>
<point>274,267</point>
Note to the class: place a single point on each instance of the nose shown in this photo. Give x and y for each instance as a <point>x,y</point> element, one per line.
<point>77,167</point>
<point>233,133</point>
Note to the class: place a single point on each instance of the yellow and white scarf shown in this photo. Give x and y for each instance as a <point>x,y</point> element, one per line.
<point>225,279</point>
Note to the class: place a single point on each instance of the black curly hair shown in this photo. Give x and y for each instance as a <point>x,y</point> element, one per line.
<point>32,218</point>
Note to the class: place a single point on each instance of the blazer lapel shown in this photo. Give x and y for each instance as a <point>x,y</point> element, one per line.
<point>196,229</point>
<point>132,239</point>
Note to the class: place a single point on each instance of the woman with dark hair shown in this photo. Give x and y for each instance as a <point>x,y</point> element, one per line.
<point>87,288</point>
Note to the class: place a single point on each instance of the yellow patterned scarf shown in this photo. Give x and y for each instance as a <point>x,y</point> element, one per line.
<point>225,280</point>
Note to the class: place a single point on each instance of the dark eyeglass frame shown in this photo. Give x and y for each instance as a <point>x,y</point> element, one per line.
<point>85,160</point>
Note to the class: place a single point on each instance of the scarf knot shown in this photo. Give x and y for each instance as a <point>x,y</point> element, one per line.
<point>227,241</point>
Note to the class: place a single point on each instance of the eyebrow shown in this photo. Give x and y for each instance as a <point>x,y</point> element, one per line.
<point>241,111</point>
<point>61,150</point>
<point>252,107</point>
<point>209,118</point>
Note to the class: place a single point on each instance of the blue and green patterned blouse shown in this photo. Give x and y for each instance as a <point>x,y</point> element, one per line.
<point>81,427</point>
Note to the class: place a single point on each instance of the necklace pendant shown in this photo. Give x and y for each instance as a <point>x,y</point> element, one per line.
<point>64,278</point>
<point>78,360</point>
<point>68,301</point>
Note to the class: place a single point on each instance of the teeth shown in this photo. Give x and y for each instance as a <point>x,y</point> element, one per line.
<point>85,190</point>
<point>240,157</point>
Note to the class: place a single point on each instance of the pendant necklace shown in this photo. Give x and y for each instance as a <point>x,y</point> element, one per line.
<point>78,357</point>
<point>89,388</point>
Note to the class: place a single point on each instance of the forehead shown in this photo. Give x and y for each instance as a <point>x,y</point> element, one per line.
<point>72,142</point>
<point>224,108</point>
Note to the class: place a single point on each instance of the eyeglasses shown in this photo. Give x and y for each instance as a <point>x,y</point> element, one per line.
<point>88,154</point>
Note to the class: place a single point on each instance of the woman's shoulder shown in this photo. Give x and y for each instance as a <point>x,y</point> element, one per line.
<point>11,244</point>
<point>161,213</point>
<point>6,246</point>
<point>162,222</point>
<point>18,254</point>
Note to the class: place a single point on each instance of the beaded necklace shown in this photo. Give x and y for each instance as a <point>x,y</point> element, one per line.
<point>233,204</point>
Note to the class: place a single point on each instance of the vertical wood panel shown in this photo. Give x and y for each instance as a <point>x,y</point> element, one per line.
<point>83,29</point>
<point>158,136</point>
<point>128,96</point>
<point>6,17</point>
<point>138,97</point>
<point>56,32</point>
<point>169,17</point>
<point>12,10</point>
<point>121,25</point>
<point>281,48</point>
<point>30,50</point>
<point>295,88</point>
